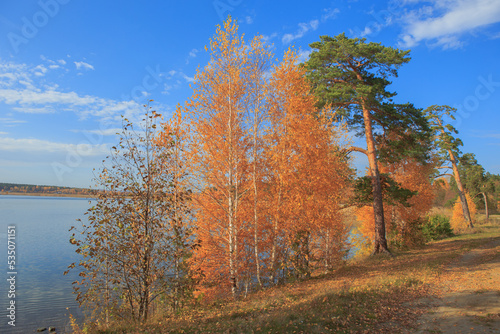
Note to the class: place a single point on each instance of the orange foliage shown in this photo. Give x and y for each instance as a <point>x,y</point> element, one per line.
<point>218,156</point>
<point>402,221</point>
<point>260,184</point>
<point>458,222</point>
<point>306,177</point>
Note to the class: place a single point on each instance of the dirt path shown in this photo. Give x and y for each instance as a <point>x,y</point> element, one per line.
<point>468,295</point>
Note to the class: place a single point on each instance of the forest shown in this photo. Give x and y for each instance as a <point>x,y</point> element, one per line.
<point>31,189</point>
<point>251,184</point>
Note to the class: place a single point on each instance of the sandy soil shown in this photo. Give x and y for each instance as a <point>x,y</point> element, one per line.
<point>468,295</point>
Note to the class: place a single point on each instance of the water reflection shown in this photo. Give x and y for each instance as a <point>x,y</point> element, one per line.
<point>43,295</point>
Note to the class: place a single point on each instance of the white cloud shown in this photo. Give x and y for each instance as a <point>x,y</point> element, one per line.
<point>303,56</point>
<point>480,134</point>
<point>42,110</point>
<point>83,65</point>
<point>37,145</point>
<point>30,97</point>
<point>248,19</point>
<point>447,20</point>
<point>40,70</point>
<point>2,133</point>
<point>329,13</point>
<point>8,121</point>
<point>193,53</point>
<point>102,132</point>
<point>25,92</point>
<point>267,38</point>
<point>366,32</point>
<point>166,89</point>
<point>303,29</point>
<point>188,79</point>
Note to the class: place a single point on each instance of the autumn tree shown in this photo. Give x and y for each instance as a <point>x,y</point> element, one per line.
<point>173,142</point>
<point>268,171</point>
<point>352,76</point>
<point>259,63</point>
<point>405,219</point>
<point>458,221</point>
<point>448,149</point>
<point>220,154</point>
<point>130,242</point>
<point>307,174</point>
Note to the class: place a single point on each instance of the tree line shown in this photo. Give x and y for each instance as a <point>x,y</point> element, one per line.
<point>41,189</point>
<point>245,186</point>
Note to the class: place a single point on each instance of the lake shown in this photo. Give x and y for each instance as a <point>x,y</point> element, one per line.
<point>43,295</point>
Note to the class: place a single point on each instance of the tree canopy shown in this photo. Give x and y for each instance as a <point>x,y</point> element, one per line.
<point>351,77</point>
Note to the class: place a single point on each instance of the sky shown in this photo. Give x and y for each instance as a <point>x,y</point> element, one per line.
<point>70,68</point>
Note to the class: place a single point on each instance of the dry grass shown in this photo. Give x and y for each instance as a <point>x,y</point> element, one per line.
<point>371,295</point>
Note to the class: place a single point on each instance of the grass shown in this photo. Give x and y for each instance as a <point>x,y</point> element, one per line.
<point>370,295</point>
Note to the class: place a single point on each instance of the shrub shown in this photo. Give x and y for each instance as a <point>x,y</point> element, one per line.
<point>436,227</point>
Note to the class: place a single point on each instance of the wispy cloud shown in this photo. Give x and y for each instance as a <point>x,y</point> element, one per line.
<point>445,21</point>
<point>478,134</point>
<point>40,70</point>
<point>329,13</point>
<point>41,110</point>
<point>248,19</point>
<point>83,65</point>
<point>8,121</point>
<point>187,78</point>
<point>191,55</point>
<point>30,97</point>
<point>37,145</point>
<point>303,29</point>
<point>268,38</point>
<point>102,132</point>
<point>303,55</point>
<point>26,92</point>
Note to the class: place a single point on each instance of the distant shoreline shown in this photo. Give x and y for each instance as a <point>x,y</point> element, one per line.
<point>47,195</point>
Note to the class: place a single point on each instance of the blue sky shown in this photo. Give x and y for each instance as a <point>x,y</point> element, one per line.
<point>70,68</point>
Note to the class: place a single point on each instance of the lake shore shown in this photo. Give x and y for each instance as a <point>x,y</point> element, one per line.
<point>47,195</point>
<point>409,292</point>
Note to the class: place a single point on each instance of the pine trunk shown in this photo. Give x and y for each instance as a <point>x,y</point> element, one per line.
<point>378,205</point>
<point>461,192</point>
<point>486,206</point>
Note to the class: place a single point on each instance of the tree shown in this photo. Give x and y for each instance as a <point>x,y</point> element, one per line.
<point>405,218</point>
<point>259,63</point>
<point>458,222</point>
<point>219,156</point>
<point>407,195</point>
<point>268,172</point>
<point>448,148</point>
<point>173,141</point>
<point>306,174</point>
<point>495,181</point>
<point>475,180</point>
<point>131,239</point>
<point>351,76</point>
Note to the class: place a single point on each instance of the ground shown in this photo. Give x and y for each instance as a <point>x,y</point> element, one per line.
<point>468,294</point>
<point>448,286</point>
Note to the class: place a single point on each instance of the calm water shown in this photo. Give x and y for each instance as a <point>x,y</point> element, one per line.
<point>43,295</point>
